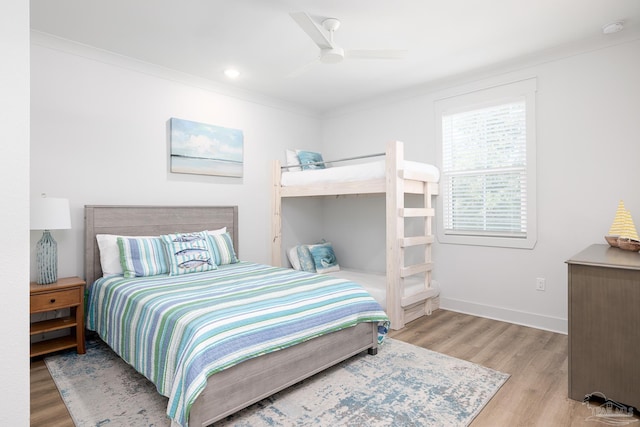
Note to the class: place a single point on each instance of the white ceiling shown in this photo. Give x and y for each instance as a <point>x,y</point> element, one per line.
<point>258,37</point>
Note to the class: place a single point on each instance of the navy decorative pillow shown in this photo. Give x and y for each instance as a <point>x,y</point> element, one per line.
<point>324,258</point>
<point>189,253</point>
<point>308,160</point>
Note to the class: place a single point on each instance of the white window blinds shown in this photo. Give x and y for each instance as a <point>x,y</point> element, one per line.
<point>484,165</point>
<point>487,158</point>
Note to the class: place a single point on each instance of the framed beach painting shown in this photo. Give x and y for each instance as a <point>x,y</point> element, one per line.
<point>202,149</point>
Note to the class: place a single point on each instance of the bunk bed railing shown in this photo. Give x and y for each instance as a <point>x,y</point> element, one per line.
<point>324,162</point>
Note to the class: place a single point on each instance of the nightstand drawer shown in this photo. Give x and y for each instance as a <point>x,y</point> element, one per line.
<point>54,300</point>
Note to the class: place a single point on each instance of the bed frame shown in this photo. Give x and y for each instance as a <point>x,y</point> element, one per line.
<point>242,385</point>
<point>401,308</point>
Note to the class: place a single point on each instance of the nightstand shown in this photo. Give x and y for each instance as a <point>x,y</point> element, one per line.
<point>68,293</point>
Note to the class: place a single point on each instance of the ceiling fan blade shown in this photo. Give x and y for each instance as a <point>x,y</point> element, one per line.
<point>303,69</point>
<point>308,26</point>
<point>375,53</point>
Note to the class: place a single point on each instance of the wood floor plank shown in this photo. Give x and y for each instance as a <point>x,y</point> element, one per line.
<point>534,395</point>
<point>47,407</point>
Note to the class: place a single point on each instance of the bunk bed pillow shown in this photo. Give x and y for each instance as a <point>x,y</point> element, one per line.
<point>189,253</point>
<point>292,160</point>
<point>305,258</point>
<point>223,251</point>
<point>292,254</point>
<point>307,158</point>
<point>324,258</point>
<point>142,256</point>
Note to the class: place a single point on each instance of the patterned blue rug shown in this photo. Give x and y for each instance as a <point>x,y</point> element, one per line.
<point>403,385</point>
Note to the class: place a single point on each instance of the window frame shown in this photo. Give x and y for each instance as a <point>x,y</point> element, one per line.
<point>477,99</point>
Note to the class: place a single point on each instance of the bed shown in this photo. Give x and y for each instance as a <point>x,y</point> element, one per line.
<point>394,177</point>
<point>231,388</point>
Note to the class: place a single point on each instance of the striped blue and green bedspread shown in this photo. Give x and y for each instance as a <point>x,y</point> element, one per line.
<point>179,330</point>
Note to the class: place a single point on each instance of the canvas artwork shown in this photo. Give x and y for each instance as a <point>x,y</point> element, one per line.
<point>199,148</point>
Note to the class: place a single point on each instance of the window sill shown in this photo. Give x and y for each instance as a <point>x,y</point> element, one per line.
<point>499,242</point>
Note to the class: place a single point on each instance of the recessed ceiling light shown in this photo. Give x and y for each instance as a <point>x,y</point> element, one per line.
<point>614,27</point>
<point>232,73</point>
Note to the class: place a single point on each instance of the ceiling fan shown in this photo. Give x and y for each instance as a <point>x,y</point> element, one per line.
<point>330,52</point>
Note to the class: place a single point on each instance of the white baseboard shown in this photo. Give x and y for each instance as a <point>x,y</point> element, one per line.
<point>533,320</point>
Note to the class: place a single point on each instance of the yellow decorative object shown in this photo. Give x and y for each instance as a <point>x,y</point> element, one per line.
<point>623,232</point>
<point>618,222</point>
<point>628,228</point>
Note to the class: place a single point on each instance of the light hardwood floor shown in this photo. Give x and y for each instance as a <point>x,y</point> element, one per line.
<point>534,395</point>
<point>47,407</point>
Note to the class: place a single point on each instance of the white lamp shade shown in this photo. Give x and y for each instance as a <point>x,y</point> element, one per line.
<point>48,213</point>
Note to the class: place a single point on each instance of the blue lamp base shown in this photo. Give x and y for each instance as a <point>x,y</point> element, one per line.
<point>46,259</point>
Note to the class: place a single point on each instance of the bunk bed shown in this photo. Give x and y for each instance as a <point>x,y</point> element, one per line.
<point>231,389</point>
<point>395,177</point>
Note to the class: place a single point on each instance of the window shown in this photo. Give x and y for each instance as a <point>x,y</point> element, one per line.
<point>486,142</point>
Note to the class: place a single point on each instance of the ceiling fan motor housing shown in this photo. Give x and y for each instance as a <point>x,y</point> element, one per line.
<point>332,55</point>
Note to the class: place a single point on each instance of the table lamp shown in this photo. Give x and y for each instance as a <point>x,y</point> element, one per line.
<point>48,213</point>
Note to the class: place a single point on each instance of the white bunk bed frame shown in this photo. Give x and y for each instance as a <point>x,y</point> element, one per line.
<point>401,308</point>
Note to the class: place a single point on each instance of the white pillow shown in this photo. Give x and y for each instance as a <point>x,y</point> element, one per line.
<point>218,231</point>
<point>110,253</point>
<point>292,159</point>
<point>292,254</point>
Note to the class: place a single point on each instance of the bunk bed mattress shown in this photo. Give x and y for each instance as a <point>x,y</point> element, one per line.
<point>179,330</point>
<point>376,283</point>
<point>351,173</point>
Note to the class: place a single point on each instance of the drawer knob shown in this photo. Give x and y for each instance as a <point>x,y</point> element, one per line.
<point>53,300</point>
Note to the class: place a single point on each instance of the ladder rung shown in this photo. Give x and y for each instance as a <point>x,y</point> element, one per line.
<point>416,212</point>
<point>419,297</point>
<point>416,269</point>
<point>415,241</point>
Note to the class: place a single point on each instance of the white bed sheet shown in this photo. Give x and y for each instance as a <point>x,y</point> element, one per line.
<point>350,173</point>
<point>376,283</point>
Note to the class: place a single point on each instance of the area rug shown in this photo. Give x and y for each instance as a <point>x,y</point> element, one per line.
<point>403,385</point>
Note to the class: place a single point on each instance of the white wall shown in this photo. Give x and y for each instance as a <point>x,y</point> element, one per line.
<point>14,215</point>
<point>588,149</point>
<point>99,136</point>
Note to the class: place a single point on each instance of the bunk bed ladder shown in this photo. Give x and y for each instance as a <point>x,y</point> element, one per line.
<point>276,218</point>
<point>403,308</point>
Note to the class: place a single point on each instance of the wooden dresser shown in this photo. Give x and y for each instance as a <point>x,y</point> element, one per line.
<point>604,324</point>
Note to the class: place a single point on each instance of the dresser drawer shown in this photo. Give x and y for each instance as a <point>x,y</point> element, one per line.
<point>54,300</point>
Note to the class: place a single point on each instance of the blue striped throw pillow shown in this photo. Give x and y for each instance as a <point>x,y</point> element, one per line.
<point>223,250</point>
<point>142,256</point>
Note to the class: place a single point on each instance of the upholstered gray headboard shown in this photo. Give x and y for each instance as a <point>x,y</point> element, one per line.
<point>150,221</point>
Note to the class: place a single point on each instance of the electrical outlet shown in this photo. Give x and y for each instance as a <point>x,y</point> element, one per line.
<point>540,284</point>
